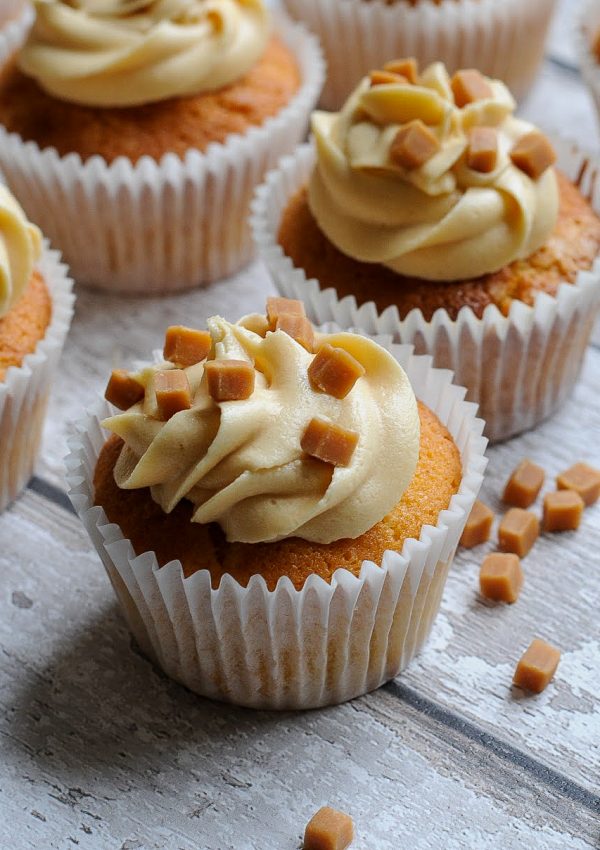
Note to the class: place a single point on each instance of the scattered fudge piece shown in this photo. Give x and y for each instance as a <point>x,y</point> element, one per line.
<point>328,829</point>
<point>537,666</point>
<point>582,478</point>
<point>518,531</point>
<point>382,78</point>
<point>329,442</point>
<point>478,527</point>
<point>562,510</point>
<point>299,328</point>
<point>122,390</point>
<point>501,577</point>
<point>405,67</point>
<point>334,371</point>
<point>468,86</point>
<point>229,380</point>
<point>172,390</point>
<point>533,154</point>
<point>278,306</point>
<point>482,150</point>
<point>414,145</point>
<point>186,346</point>
<point>524,484</point>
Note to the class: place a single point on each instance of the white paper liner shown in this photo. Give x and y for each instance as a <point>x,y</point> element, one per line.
<point>518,368</point>
<point>24,391</point>
<point>159,227</point>
<point>289,648</point>
<point>587,28</point>
<point>14,32</point>
<point>503,38</point>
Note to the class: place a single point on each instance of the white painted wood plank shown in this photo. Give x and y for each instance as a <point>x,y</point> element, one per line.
<point>101,751</point>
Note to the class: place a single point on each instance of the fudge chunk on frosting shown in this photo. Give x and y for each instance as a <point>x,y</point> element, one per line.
<point>396,181</point>
<point>241,461</point>
<point>131,52</point>
<point>20,247</point>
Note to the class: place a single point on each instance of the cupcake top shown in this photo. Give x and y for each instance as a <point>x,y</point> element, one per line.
<point>20,247</point>
<point>130,52</point>
<point>432,176</point>
<point>270,429</point>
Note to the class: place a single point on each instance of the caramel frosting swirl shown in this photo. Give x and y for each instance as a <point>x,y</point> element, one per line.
<point>130,52</point>
<point>441,220</point>
<point>20,247</point>
<point>240,462</point>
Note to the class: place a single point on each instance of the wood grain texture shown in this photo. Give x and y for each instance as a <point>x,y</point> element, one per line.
<point>99,750</point>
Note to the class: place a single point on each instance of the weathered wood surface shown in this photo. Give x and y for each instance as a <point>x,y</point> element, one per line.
<point>99,750</point>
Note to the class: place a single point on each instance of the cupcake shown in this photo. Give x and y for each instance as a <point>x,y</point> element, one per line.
<point>125,125</point>
<point>427,210</point>
<point>587,39</point>
<point>502,38</point>
<point>276,511</point>
<point>35,313</point>
<point>16,17</point>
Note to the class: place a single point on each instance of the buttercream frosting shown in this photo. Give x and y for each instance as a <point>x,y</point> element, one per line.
<point>130,52</point>
<point>240,462</point>
<point>439,221</point>
<point>20,247</point>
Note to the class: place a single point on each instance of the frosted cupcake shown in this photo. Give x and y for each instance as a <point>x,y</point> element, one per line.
<point>125,124</point>
<point>261,496</point>
<point>35,313</point>
<point>502,38</point>
<point>587,39</point>
<point>427,209</point>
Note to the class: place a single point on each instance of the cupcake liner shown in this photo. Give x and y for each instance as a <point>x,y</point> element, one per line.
<point>587,28</point>
<point>24,391</point>
<point>504,39</point>
<point>289,648</point>
<point>19,18</point>
<point>518,368</point>
<point>159,227</point>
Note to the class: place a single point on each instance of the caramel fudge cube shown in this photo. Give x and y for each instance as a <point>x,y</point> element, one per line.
<point>122,390</point>
<point>229,380</point>
<point>537,666</point>
<point>382,78</point>
<point>172,390</point>
<point>329,442</point>
<point>562,510</point>
<point>478,526</point>
<point>334,371</point>
<point>278,306</point>
<point>413,145</point>
<point>583,479</point>
<point>299,328</point>
<point>524,484</point>
<point>518,531</point>
<point>533,154</point>
<point>405,67</point>
<point>328,829</point>
<point>186,346</point>
<point>501,577</point>
<point>468,86</point>
<point>482,150</point>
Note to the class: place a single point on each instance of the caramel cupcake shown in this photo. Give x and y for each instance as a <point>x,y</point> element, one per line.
<point>502,38</point>
<point>587,40</point>
<point>429,211</point>
<point>35,313</point>
<point>276,510</point>
<point>122,150</point>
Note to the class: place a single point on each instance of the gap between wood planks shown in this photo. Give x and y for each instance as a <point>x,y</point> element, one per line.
<point>558,782</point>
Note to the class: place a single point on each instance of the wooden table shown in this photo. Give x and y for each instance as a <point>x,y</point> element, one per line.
<point>100,750</point>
